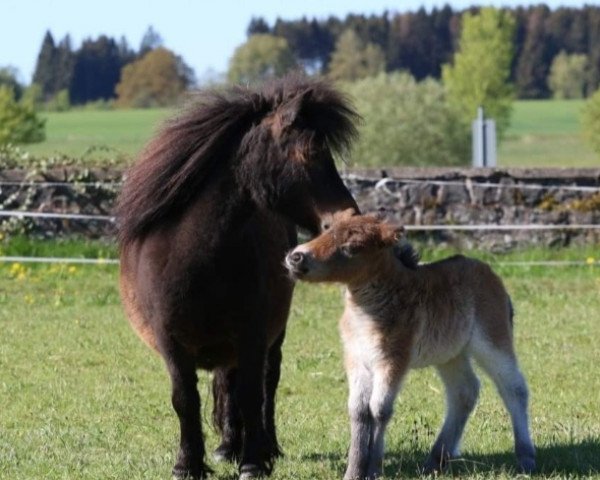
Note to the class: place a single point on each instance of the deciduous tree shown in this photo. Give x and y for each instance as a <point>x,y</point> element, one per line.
<point>353,59</point>
<point>158,79</point>
<point>18,121</point>
<point>262,56</point>
<point>480,72</point>
<point>407,123</point>
<point>567,77</point>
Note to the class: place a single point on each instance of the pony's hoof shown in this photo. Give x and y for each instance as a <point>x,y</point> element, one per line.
<point>434,465</point>
<point>225,453</point>
<point>250,470</point>
<point>186,472</point>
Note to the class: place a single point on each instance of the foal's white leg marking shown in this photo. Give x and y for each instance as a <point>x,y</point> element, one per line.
<point>361,423</point>
<point>462,390</point>
<point>502,367</point>
<point>384,393</point>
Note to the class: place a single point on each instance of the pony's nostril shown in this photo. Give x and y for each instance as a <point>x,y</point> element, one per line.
<point>296,258</point>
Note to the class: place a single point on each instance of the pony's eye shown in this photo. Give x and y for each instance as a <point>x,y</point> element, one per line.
<point>347,250</point>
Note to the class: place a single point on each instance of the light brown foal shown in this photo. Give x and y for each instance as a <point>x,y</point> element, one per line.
<point>400,315</point>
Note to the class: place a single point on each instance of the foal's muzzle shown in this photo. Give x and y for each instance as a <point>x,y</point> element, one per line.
<point>295,262</point>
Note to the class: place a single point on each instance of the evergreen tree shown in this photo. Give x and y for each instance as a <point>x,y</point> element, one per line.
<point>96,71</point>
<point>150,41</point>
<point>257,25</point>
<point>65,62</point>
<point>45,69</point>
<point>534,62</point>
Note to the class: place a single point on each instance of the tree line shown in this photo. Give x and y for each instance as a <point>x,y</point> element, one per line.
<point>421,42</point>
<point>103,67</point>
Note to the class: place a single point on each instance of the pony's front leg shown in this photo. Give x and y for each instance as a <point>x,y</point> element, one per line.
<point>255,459</point>
<point>272,374</point>
<point>361,422</point>
<point>186,402</point>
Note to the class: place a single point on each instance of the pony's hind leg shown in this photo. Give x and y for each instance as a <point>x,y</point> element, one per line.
<point>462,390</point>
<point>186,402</point>
<point>255,458</point>
<point>502,367</point>
<point>226,414</point>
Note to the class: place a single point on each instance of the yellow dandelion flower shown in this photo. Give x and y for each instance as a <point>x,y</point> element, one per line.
<point>72,269</point>
<point>29,299</point>
<point>590,260</point>
<point>21,276</point>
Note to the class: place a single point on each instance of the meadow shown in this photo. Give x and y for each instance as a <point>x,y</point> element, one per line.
<point>83,398</point>
<point>543,133</point>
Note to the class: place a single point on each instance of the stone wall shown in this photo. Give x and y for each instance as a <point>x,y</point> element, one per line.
<point>471,196</point>
<point>411,196</point>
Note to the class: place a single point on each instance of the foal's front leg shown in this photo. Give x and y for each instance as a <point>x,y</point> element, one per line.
<point>386,382</point>
<point>361,422</point>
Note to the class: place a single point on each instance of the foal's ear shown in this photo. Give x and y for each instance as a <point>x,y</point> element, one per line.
<point>289,112</point>
<point>391,234</point>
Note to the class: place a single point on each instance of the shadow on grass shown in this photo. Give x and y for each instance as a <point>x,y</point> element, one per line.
<point>573,459</point>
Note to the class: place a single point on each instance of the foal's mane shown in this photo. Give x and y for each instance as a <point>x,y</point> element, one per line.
<point>177,163</point>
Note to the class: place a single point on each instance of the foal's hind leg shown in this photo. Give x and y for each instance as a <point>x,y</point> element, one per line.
<point>462,390</point>
<point>226,414</point>
<point>503,369</point>
<point>186,402</point>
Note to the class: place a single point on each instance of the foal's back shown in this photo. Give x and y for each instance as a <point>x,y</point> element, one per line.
<point>462,305</point>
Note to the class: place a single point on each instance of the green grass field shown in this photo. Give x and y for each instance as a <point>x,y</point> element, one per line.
<point>76,132</point>
<point>82,398</point>
<point>546,133</point>
<point>542,134</point>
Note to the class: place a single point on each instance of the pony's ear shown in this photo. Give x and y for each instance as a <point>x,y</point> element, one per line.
<point>391,234</point>
<point>289,112</point>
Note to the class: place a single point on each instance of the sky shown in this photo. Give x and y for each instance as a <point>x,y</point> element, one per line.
<point>204,32</point>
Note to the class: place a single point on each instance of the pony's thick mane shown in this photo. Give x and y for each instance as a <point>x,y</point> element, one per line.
<point>176,164</point>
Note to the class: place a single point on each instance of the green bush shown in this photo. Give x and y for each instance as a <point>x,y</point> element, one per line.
<point>19,122</point>
<point>591,121</point>
<point>407,123</point>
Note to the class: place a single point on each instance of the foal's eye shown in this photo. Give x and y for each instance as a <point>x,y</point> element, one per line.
<point>347,250</point>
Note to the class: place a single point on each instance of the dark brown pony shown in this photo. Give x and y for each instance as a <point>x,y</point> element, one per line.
<point>205,218</point>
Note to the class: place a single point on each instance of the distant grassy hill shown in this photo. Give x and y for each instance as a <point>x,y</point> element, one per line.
<point>543,133</point>
<point>76,131</point>
<point>546,133</point>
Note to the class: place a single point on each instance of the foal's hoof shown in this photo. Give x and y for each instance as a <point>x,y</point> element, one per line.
<point>527,465</point>
<point>250,470</point>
